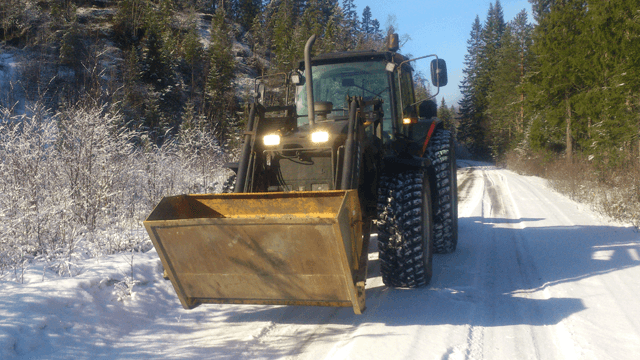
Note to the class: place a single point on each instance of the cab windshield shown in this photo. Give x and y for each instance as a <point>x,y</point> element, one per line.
<point>334,82</point>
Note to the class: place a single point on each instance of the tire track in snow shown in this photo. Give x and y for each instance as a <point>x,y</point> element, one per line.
<point>472,193</point>
<point>469,191</point>
<point>291,335</point>
<point>503,271</point>
<point>317,332</point>
<point>504,262</point>
<point>530,276</point>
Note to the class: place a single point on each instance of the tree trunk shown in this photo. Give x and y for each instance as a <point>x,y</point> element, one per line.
<point>569,138</point>
<point>521,124</point>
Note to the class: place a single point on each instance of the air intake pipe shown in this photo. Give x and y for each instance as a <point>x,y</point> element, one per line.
<point>309,79</point>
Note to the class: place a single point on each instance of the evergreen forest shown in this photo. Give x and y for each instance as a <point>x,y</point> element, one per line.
<point>167,64</point>
<point>564,85</point>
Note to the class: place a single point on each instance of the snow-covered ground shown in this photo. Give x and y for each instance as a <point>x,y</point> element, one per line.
<point>535,276</point>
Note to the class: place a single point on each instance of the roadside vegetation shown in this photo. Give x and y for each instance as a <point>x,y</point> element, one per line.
<point>75,185</point>
<point>612,191</point>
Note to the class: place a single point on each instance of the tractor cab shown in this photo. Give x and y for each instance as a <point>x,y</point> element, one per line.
<point>341,77</point>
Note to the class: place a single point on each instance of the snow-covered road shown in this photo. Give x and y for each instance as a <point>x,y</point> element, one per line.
<point>535,276</point>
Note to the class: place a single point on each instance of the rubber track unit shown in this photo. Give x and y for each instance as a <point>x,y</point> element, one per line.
<point>445,235</point>
<point>399,226</point>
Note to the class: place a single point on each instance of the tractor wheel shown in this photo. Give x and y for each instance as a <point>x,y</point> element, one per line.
<point>404,229</point>
<point>441,152</point>
<point>229,185</point>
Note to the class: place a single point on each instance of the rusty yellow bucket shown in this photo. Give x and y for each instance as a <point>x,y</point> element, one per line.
<point>293,248</point>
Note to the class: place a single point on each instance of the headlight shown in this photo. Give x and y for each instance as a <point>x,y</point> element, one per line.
<point>271,140</point>
<point>320,136</point>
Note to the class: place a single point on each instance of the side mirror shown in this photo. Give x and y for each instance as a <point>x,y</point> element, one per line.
<point>428,109</point>
<point>438,72</point>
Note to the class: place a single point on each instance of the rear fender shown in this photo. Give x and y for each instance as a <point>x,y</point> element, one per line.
<point>422,131</point>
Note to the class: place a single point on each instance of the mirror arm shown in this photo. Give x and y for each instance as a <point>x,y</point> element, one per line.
<point>418,58</point>
<point>427,98</point>
<point>399,67</point>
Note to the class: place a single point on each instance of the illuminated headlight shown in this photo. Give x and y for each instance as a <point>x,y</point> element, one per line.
<point>408,121</point>
<point>271,140</point>
<point>320,137</point>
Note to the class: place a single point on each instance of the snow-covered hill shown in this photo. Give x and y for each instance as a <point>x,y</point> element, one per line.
<point>535,276</point>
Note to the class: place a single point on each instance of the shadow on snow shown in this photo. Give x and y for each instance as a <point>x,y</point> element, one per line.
<point>496,277</point>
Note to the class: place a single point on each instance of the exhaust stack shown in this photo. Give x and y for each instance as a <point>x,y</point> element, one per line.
<point>308,75</point>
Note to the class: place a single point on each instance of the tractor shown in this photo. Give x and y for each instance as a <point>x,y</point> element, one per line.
<point>350,153</point>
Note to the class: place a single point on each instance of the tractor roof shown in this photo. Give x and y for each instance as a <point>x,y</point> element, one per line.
<point>354,56</point>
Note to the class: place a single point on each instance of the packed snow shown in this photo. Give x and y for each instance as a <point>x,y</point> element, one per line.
<point>535,276</point>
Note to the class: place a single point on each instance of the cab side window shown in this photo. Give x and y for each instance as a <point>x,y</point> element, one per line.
<point>406,94</point>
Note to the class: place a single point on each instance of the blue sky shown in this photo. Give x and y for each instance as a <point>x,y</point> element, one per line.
<point>440,27</point>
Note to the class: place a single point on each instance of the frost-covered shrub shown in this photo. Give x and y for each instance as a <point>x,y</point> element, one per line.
<point>74,185</point>
<point>29,210</point>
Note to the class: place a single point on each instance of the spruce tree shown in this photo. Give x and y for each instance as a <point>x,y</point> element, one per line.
<point>282,42</point>
<point>367,26</point>
<point>334,31</point>
<point>129,20</point>
<point>421,86</point>
<point>604,103</point>
<point>375,29</point>
<point>220,92</point>
<point>447,117</point>
<point>468,118</point>
<point>626,79</point>
<point>230,7</point>
<point>540,7</point>
<point>157,63</point>
<point>247,11</point>
<point>259,42</point>
<point>506,94</point>
<point>487,65</point>
<point>351,25</point>
<point>311,23</point>
<point>70,47</point>
<point>560,49</point>
<point>194,57</point>
<point>523,36</point>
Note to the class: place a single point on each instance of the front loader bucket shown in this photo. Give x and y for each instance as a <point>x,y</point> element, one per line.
<point>295,248</point>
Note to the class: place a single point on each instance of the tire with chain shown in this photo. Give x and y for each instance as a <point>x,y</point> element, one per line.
<point>441,152</point>
<point>404,229</point>
<point>229,185</point>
